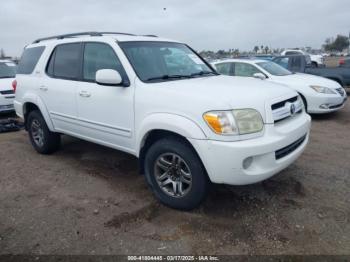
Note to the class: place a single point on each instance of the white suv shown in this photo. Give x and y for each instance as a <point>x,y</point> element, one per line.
<point>160,101</point>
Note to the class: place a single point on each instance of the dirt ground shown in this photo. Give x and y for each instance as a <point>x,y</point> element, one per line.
<point>88,199</point>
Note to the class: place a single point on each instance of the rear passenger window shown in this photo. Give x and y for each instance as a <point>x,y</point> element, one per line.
<point>29,59</point>
<point>246,70</point>
<point>65,62</point>
<point>224,68</point>
<point>99,56</point>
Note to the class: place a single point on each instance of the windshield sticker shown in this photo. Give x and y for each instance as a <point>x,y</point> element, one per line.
<point>196,59</point>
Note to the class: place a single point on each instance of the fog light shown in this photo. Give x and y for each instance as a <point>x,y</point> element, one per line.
<point>247,162</point>
<point>324,106</point>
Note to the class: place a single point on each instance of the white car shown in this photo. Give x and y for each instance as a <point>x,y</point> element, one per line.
<point>320,95</point>
<point>7,76</point>
<point>316,60</point>
<point>158,100</point>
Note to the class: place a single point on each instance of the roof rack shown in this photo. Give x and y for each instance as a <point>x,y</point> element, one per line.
<point>84,33</point>
<point>67,36</point>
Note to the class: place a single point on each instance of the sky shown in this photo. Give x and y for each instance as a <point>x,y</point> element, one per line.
<point>203,24</point>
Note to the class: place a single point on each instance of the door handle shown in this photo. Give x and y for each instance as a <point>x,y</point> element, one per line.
<point>84,94</point>
<point>43,88</point>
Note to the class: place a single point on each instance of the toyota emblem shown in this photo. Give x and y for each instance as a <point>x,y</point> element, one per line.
<point>292,109</point>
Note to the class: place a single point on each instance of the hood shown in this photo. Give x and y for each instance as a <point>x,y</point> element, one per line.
<point>6,84</point>
<point>215,93</point>
<point>300,79</point>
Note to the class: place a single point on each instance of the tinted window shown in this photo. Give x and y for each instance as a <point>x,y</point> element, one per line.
<point>99,56</point>
<point>282,61</point>
<point>224,68</point>
<point>65,61</point>
<point>274,69</point>
<point>7,70</point>
<point>29,59</point>
<point>247,70</point>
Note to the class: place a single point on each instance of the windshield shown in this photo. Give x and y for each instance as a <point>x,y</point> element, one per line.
<point>7,70</point>
<point>164,61</point>
<point>274,69</point>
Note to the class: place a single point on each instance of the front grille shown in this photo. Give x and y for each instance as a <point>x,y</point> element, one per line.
<point>286,108</point>
<point>282,103</point>
<point>7,92</point>
<point>289,149</point>
<point>341,91</point>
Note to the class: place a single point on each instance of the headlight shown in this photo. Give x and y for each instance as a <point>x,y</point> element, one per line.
<point>323,90</point>
<point>240,121</point>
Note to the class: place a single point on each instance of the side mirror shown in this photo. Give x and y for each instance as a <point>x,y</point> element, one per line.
<point>108,77</point>
<point>259,76</point>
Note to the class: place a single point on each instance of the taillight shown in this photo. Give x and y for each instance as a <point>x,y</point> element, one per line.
<point>342,61</point>
<point>14,85</point>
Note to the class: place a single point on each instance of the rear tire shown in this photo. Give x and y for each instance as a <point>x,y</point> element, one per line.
<point>43,140</point>
<point>170,161</point>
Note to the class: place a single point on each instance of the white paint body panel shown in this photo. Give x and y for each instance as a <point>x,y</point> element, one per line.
<point>6,100</point>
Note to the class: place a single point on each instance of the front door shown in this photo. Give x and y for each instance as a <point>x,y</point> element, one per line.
<point>105,113</point>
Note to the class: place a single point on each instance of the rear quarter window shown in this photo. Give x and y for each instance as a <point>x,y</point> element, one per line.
<point>29,60</point>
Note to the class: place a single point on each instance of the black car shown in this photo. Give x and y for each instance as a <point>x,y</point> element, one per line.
<point>298,63</point>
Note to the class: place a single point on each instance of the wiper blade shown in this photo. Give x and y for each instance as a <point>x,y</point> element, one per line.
<point>166,77</point>
<point>202,73</point>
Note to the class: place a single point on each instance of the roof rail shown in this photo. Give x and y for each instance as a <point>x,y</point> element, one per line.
<point>150,35</point>
<point>115,33</point>
<point>67,36</point>
<point>82,34</point>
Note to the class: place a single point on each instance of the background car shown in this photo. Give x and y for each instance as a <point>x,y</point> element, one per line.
<point>7,76</point>
<point>316,60</point>
<point>298,63</point>
<point>320,95</point>
<point>345,62</point>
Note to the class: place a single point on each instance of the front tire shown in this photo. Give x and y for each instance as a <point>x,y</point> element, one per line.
<point>43,140</point>
<point>175,174</point>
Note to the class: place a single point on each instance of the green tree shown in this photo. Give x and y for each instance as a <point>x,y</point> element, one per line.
<point>339,44</point>
<point>256,49</point>
<point>266,49</point>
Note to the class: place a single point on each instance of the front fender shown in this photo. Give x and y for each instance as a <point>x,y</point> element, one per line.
<point>169,122</point>
<point>36,100</point>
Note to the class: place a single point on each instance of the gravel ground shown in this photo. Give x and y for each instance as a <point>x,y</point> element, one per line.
<point>88,199</point>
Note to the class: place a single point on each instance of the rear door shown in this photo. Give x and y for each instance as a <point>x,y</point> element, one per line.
<point>59,86</point>
<point>106,113</point>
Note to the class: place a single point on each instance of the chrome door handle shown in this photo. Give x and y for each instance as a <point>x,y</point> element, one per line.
<point>84,94</point>
<point>43,88</point>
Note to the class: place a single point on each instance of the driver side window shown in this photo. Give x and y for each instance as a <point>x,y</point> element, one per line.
<point>99,56</point>
<point>246,70</point>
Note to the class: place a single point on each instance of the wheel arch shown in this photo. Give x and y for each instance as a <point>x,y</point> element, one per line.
<point>159,126</point>
<point>35,103</point>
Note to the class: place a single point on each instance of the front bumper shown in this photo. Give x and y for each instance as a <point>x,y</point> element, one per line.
<point>322,103</point>
<point>224,161</point>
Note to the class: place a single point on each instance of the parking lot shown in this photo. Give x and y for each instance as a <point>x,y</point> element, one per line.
<point>88,199</point>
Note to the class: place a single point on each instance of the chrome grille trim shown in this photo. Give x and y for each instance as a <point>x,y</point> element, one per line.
<point>287,108</point>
